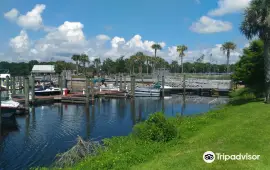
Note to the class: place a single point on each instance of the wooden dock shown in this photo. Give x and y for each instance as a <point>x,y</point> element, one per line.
<point>78,97</point>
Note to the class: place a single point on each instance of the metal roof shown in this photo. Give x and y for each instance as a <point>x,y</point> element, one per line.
<point>43,69</point>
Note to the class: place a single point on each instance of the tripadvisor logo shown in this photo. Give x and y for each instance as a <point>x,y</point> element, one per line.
<point>210,157</point>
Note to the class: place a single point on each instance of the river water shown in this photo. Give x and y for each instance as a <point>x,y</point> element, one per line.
<point>36,138</point>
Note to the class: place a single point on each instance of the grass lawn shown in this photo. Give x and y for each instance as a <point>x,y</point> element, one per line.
<point>230,130</point>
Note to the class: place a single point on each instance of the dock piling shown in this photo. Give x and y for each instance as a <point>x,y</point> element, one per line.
<point>116,80</point>
<point>20,83</point>
<point>26,93</point>
<point>121,88</point>
<point>13,82</point>
<point>125,82</point>
<point>33,89</point>
<point>87,95</point>
<point>8,83</point>
<point>163,84</point>
<point>184,85</point>
<point>0,110</point>
<point>133,85</point>
<point>93,91</point>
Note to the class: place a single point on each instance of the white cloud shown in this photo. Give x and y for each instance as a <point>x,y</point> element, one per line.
<point>12,15</point>
<point>229,6</point>
<point>103,37</point>
<point>31,20</point>
<point>122,47</point>
<point>20,43</point>
<point>208,25</point>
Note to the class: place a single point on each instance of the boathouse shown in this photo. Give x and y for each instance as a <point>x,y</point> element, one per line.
<point>43,71</point>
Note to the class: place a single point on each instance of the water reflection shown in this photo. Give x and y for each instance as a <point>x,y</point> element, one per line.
<point>50,129</point>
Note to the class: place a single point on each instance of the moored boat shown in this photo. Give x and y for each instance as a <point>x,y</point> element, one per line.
<point>10,107</point>
<point>147,91</point>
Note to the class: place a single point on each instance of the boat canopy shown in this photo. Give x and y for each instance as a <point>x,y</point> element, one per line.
<point>98,80</point>
<point>157,85</point>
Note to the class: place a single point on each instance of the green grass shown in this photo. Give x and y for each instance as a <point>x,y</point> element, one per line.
<point>233,129</point>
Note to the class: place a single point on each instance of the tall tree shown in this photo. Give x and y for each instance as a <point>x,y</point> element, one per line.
<point>76,58</point>
<point>147,59</point>
<point>84,59</point>
<point>156,47</point>
<point>227,47</point>
<point>97,63</point>
<point>256,23</point>
<point>140,59</point>
<point>249,69</point>
<point>181,50</point>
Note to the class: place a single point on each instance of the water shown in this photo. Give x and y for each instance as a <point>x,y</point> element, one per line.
<point>52,129</point>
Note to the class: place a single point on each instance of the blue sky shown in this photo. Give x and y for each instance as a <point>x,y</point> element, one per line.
<point>171,22</point>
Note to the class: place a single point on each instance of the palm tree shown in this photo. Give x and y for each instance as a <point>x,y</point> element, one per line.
<point>156,47</point>
<point>256,23</point>
<point>147,58</point>
<point>174,65</point>
<point>140,59</point>
<point>97,63</point>
<point>132,61</point>
<point>181,49</point>
<point>84,59</point>
<point>227,47</point>
<point>76,58</point>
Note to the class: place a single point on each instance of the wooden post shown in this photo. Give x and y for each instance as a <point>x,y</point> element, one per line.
<point>184,85</point>
<point>7,81</point>
<point>33,89</point>
<point>71,83</point>
<point>93,91</point>
<point>0,109</point>
<point>125,82</point>
<point>26,93</point>
<point>87,95</point>
<point>60,83</point>
<point>13,82</point>
<point>23,85</point>
<point>163,84</point>
<point>64,82</point>
<point>121,88</point>
<point>116,80</point>
<point>20,83</point>
<point>133,85</point>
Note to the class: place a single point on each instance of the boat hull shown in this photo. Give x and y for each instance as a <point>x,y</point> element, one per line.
<point>47,93</point>
<point>147,92</point>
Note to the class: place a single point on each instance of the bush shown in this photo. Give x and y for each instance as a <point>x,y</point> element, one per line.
<point>155,128</point>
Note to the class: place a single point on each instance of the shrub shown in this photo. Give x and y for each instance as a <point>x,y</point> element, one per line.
<point>155,128</point>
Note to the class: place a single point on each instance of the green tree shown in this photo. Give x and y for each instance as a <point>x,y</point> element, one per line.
<point>249,68</point>
<point>84,59</point>
<point>140,59</point>
<point>156,47</point>
<point>181,50</point>
<point>227,47</point>
<point>97,63</point>
<point>76,58</point>
<point>174,66</point>
<point>256,23</point>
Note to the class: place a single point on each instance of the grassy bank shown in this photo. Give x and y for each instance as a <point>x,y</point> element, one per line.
<point>234,129</point>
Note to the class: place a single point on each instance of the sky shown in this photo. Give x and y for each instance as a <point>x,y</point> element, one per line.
<point>55,30</point>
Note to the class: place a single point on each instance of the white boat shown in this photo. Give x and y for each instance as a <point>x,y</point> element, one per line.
<point>147,92</point>
<point>10,107</point>
<point>46,91</point>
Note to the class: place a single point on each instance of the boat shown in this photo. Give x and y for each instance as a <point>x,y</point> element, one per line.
<point>10,107</point>
<point>47,91</point>
<point>147,92</point>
